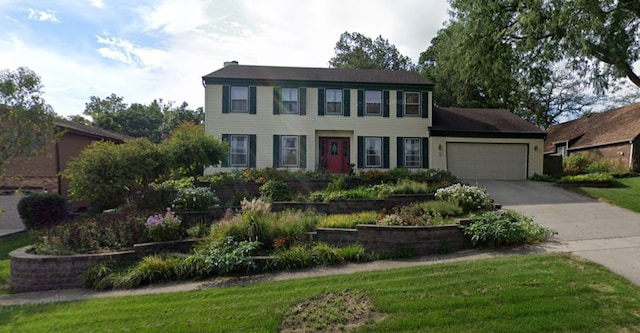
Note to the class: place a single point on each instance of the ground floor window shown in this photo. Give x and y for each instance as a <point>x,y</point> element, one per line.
<point>239,149</point>
<point>289,151</point>
<point>412,155</point>
<point>373,152</point>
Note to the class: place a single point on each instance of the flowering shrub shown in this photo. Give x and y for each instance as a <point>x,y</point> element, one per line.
<point>469,198</point>
<point>199,198</point>
<point>505,228</point>
<point>392,219</point>
<point>164,227</point>
<point>255,206</point>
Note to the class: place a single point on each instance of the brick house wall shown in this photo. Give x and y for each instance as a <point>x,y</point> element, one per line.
<point>619,155</point>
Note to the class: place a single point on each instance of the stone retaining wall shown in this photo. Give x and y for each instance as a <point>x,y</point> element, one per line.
<point>388,239</point>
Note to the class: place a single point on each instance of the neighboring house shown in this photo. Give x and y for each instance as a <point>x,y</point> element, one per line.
<point>611,135</point>
<point>338,119</point>
<point>42,172</point>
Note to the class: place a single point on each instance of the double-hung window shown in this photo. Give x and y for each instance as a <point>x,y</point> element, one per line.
<point>239,99</point>
<point>334,101</point>
<point>290,151</point>
<point>412,156</point>
<point>373,102</point>
<point>412,104</point>
<point>239,146</point>
<point>373,152</point>
<point>290,100</point>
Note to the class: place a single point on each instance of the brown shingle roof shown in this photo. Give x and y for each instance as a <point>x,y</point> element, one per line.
<point>317,74</point>
<point>617,125</point>
<point>448,121</point>
<point>90,130</point>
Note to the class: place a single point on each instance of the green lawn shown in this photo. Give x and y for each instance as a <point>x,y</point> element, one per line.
<point>7,245</point>
<point>626,195</point>
<point>534,293</point>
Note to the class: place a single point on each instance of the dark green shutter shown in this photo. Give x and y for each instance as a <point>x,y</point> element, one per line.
<point>277,97</point>
<point>252,100</point>
<point>225,99</point>
<point>346,103</point>
<point>360,152</point>
<point>252,151</point>
<point>425,153</point>
<point>424,104</point>
<point>399,103</point>
<point>385,103</point>
<point>321,99</point>
<point>360,103</point>
<point>276,151</point>
<point>303,151</point>
<point>400,152</point>
<point>385,152</point>
<point>302,100</point>
<point>225,158</point>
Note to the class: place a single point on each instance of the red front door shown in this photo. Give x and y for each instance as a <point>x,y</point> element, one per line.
<point>334,154</point>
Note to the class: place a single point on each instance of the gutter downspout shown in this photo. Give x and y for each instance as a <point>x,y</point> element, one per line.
<point>58,167</point>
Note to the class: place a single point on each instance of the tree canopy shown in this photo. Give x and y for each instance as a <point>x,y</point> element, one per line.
<point>26,120</point>
<point>357,51</point>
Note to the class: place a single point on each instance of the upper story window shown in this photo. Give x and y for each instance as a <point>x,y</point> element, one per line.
<point>412,104</point>
<point>373,102</point>
<point>239,99</point>
<point>334,101</point>
<point>290,100</point>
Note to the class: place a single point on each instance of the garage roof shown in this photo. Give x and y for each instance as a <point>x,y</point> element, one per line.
<point>469,122</point>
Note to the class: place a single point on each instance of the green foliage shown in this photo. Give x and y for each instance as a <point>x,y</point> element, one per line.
<point>625,195</point>
<point>357,51</point>
<point>320,254</point>
<point>542,178</point>
<point>105,173</point>
<point>426,213</point>
<point>42,210</point>
<point>337,183</point>
<point>576,164</point>
<point>221,257</point>
<point>190,150</point>
<point>26,121</point>
<point>595,178</point>
<point>505,228</point>
<point>94,232</point>
<point>151,269</point>
<point>195,199</point>
<point>360,192</point>
<point>407,186</point>
<point>469,198</point>
<point>275,190</point>
<point>598,166</point>
<point>348,221</point>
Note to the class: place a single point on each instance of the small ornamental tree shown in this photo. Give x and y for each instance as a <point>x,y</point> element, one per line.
<point>190,150</point>
<point>105,173</point>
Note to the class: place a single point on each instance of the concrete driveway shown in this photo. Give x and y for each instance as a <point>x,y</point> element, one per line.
<point>600,232</point>
<point>10,221</point>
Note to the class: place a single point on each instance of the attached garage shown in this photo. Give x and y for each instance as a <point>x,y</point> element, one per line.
<point>499,161</point>
<point>485,144</point>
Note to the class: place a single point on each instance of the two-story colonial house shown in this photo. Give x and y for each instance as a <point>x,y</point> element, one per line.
<point>330,119</point>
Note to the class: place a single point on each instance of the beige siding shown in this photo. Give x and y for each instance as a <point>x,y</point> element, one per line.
<point>438,151</point>
<point>265,124</point>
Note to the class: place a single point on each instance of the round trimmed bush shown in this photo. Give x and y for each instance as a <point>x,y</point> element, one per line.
<point>42,210</point>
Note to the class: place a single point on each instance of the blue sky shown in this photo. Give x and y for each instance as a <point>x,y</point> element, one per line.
<point>144,50</point>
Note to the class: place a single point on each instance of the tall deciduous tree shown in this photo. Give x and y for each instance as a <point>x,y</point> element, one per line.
<point>26,120</point>
<point>357,51</point>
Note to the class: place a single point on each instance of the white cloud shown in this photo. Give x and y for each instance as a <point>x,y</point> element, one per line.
<point>126,52</point>
<point>174,16</point>
<point>43,16</point>
<point>97,3</point>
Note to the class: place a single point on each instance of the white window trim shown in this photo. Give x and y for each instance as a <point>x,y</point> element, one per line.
<point>327,102</point>
<point>366,109</point>
<point>366,153</point>
<point>283,109</point>
<point>246,149</point>
<point>246,99</point>
<point>283,149</point>
<point>405,104</point>
<point>419,153</point>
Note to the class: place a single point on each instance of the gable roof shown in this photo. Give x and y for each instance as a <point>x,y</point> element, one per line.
<point>613,126</point>
<point>90,131</point>
<point>309,74</point>
<point>469,122</point>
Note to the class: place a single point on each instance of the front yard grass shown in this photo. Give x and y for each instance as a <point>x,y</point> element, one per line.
<point>7,245</point>
<point>533,293</point>
<point>626,195</point>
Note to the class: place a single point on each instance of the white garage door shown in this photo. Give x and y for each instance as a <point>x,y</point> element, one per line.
<point>471,161</point>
